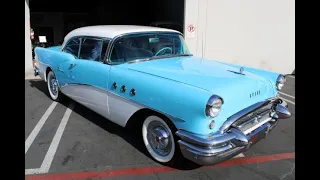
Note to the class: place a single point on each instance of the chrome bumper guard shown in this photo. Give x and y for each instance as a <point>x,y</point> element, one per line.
<point>234,137</point>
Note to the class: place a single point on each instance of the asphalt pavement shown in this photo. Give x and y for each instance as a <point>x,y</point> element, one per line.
<point>68,141</point>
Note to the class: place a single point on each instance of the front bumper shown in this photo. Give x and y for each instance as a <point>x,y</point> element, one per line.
<point>236,135</point>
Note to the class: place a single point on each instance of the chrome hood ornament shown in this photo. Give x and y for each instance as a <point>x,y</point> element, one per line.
<point>238,72</point>
<point>241,70</point>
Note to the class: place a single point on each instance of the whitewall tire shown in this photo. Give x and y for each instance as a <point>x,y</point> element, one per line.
<point>53,86</point>
<point>158,139</point>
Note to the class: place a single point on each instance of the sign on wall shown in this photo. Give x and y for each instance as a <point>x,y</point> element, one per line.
<point>191,31</point>
<point>42,39</point>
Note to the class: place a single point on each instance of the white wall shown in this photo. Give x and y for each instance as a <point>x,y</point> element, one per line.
<point>256,33</point>
<point>28,49</point>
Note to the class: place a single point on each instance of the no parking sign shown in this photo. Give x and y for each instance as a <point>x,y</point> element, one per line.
<point>191,31</point>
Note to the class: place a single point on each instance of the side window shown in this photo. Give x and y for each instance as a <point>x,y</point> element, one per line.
<point>72,47</point>
<point>93,49</point>
<point>90,49</point>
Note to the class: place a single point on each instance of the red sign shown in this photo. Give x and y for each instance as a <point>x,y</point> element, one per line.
<point>31,34</point>
<point>191,28</point>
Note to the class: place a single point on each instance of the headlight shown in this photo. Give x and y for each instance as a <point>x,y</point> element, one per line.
<point>280,82</point>
<point>214,106</point>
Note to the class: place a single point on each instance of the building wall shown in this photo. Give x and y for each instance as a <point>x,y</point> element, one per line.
<point>28,49</point>
<point>260,34</point>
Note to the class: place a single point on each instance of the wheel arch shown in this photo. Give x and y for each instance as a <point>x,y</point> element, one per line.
<point>136,120</point>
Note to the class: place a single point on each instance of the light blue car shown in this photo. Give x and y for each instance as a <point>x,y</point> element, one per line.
<point>145,78</point>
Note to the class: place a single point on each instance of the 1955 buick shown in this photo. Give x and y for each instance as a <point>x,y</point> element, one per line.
<point>185,107</point>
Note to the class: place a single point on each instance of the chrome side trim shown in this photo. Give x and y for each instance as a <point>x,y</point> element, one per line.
<point>125,99</point>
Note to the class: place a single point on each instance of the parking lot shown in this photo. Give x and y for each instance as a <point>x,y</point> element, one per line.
<point>68,141</point>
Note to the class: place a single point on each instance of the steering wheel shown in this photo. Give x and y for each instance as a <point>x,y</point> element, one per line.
<point>164,49</point>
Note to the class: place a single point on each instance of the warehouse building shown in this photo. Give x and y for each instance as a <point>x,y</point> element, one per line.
<point>254,33</point>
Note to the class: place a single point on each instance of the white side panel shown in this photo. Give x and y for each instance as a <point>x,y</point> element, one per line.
<point>119,110</point>
<point>89,96</point>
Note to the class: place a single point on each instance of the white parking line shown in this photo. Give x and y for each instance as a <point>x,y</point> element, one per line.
<point>292,77</point>
<point>287,95</point>
<point>239,155</point>
<point>38,127</point>
<point>288,100</point>
<point>32,171</point>
<point>45,166</point>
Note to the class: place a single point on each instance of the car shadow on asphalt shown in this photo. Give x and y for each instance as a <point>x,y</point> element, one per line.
<point>110,126</point>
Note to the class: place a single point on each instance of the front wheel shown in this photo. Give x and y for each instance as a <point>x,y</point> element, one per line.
<point>160,141</point>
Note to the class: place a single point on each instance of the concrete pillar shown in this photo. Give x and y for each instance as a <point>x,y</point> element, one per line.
<point>28,46</point>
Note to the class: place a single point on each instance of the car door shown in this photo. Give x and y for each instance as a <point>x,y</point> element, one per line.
<point>89,75</point>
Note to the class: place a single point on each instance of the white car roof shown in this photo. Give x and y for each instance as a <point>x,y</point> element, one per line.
<point>111,31</point>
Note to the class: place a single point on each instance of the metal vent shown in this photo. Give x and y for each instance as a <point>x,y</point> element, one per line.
<point>254,94</point>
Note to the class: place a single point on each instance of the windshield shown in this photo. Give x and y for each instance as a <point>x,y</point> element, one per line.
<point>147,46</point>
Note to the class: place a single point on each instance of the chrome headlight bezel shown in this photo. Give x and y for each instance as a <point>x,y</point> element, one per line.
<point>280,82</point>
<point>213,106</point>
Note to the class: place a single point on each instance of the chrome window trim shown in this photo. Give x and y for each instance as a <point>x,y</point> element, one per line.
<point>110,47</point>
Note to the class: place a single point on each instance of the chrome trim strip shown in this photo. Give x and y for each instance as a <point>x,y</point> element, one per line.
<point>75,84</point>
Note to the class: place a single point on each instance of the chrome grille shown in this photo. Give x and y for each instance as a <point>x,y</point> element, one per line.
<point>256,113</point>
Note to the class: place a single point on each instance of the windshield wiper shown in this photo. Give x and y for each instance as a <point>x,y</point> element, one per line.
<point>138,60</point>
<point>157,57</point>
<point>170,56</point>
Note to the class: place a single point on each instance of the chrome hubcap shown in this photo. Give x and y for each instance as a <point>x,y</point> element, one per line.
<point>53,85</point>
<point>159,138</point>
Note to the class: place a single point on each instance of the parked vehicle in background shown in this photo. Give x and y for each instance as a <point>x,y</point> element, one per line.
<point>183,106</point>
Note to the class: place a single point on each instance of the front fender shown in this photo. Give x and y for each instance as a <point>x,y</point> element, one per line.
<point>182,103</point>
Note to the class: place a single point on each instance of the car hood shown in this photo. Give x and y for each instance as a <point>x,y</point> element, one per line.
<point>215,77</point>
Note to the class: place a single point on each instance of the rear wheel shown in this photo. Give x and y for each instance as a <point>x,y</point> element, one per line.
<point>53,87</point>
<point>160,142</point>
